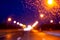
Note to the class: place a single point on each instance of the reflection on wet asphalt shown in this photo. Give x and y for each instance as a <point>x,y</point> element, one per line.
<point>21,35</point>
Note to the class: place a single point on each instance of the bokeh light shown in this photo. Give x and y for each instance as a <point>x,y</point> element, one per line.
<point>59,22</point>
<point>23,26</point>
<point>51,21</point>
<point>9,19</point>
<point>14,22</point>
<point>50,2</point>
<point>17,23</point>
<point>41,15</point>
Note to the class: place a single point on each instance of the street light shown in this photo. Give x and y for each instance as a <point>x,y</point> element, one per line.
<point>17,23</point>
<point>14,22</point>
<point>41,15</point>
<point>51,21</point>
<point>50,2</point>
<point>9,19</point>
<point>53,7</point>
<point>59,22</point>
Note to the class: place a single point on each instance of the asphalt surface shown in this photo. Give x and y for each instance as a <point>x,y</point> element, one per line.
<point>28,35</point>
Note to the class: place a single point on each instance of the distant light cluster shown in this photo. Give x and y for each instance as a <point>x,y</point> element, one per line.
<point>28,28</point>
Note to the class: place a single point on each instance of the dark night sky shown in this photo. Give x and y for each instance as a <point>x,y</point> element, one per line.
<point>16,9</point>
<point>24,12</point>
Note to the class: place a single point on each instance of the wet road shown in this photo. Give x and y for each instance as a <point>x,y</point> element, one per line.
<point>31,35</point>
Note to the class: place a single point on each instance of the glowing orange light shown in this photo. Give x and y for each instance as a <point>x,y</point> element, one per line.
<point>41,15</point>
<point>43,39</point>
<point>9,19</point>
<point>35,31</point>
<point>42,34</point>
<point>50,1</point>
<point>49,4</point>
<point>8,36</point>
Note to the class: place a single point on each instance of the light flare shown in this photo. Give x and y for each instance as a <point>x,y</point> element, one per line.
<point>35,24</point>
<point>50,2</point>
